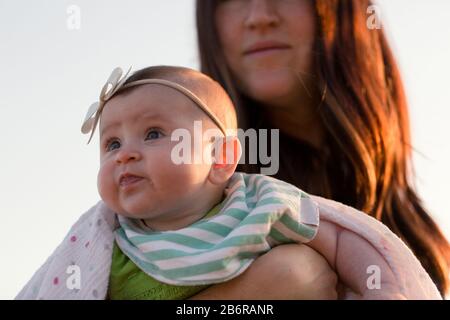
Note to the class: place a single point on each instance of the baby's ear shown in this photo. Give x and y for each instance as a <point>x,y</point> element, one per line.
<point>226,154</point>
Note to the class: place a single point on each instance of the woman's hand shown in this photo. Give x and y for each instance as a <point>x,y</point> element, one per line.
<point>290,271</point>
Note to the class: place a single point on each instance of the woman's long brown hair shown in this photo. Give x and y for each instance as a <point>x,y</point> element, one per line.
<point>366,162</point>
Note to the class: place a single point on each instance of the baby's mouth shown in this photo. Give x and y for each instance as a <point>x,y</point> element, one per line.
<point>128,179</point>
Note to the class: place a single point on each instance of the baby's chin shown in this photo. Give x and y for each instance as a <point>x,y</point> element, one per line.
<point>135,215</point>
<point>133,212</point>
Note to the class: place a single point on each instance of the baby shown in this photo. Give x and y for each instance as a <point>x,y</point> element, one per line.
<point>176,227</point>
<point>184,226</point>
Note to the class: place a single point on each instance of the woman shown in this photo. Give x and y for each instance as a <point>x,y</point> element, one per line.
<point>329,82</point>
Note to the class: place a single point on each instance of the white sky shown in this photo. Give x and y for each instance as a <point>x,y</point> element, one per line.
<point>50,75</point>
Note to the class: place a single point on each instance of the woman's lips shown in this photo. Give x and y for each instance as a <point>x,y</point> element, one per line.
<point>263,48</point>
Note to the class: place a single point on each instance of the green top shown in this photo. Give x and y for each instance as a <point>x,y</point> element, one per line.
<point>128,282</point>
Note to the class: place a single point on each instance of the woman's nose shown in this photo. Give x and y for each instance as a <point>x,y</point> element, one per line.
<point>262,14</point>
<point>127,154</point>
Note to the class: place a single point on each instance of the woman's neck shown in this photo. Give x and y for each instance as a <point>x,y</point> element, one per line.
<point>297,118</point>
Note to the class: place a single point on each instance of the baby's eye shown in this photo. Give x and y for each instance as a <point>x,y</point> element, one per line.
<point>154,134</point>
<point>112,145</point>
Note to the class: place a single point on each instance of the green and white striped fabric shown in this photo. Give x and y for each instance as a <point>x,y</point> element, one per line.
<point>258,213</point>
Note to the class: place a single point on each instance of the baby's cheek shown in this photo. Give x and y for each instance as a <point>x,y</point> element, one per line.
<point>188,179</point>
<point>106,187</point>
<point>176,179</point>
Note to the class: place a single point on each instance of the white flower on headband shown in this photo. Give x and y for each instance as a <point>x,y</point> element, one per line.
<point>112,85</point>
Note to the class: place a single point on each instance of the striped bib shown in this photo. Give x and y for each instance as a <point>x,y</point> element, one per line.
<point>258,213</point>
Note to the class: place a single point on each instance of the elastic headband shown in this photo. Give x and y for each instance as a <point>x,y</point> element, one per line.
<point>115,83</point>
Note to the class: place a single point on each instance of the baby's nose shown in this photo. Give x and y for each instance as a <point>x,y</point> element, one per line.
<point>126,155</point>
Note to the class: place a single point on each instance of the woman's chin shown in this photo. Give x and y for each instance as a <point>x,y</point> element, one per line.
<point>268,90</point>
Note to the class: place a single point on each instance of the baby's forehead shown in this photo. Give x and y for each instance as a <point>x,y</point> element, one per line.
<point>153,97</point>
<point>150,101</point>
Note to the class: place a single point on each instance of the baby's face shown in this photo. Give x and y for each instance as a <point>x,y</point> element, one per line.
<point>137,177</point>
